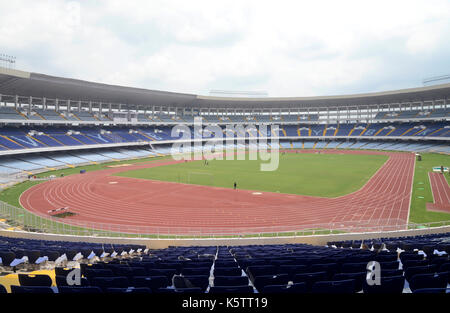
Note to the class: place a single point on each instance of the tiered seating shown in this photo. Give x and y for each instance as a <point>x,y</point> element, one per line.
<point>236,118</point>
<point>85,116</point>
<point>358,129</point>
<point>359,144</point>
<point>408,114</point>
<point>380,115</point>
<point>163,118</point>
<point>19,164</point>
<point>49,114</point>
<point>261,119</point>
<point>90,156</point>
<point>62,137</point>
<point>27,163</point>
<point>408,264</point>
<point>413,114</point>
<point>277,119</point>
<point>402,130</point>
<point>331,129</point>
<point>39,137</point>
<point>33,116</point>
<point>10,113</point>
<point>391,115</point>
<point>18,136</point>
<point>143,118</point>
<point>137,153</point>
<point>187,118</point>
<point>439,113</point>
<point>317,130</point>
<point>372,145</point>
<point>372,129</point>
<point>387,130</point>
<point>158,133</point>
<point>344,129</point>
<point>102,117</point>
<point>333,144</point>
<point>111,154</point>
<point>290,118</point>
<point>212,118</point>
<point>71,117</point>
<point>67,158</point>
<point>347,145</point>
<point>291,130</point>
<point>441,131</point>
<point>126,135</point>
<point>321,144</point>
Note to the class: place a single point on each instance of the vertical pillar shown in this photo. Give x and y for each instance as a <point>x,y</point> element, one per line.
<point>30,103</point>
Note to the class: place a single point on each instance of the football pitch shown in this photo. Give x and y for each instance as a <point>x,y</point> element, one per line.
<point>322,175</point>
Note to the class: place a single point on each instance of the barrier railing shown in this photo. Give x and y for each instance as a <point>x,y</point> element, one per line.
<point>21,219</point>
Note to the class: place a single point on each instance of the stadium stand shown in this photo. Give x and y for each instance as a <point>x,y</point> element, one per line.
<point>46,137</point>
<point>84,116</point>
<point>410,264</point>
<point>10,113</point>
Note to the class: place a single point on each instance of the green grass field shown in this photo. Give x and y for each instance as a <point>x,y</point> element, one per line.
<point>422,190</point>
<point>318,171</point>
<point>323,175</point>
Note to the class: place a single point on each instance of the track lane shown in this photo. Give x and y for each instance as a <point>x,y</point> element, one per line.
<point>383,200</point>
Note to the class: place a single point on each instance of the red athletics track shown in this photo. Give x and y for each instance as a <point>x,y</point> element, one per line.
<point>441,193</point>
<point>147,206</point>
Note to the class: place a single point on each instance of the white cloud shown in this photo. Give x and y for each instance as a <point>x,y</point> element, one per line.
<point>288,48</point>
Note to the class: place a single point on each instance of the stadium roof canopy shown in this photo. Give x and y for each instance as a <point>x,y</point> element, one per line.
<point>14,82</point>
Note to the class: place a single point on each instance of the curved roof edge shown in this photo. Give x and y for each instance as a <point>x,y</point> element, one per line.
<point>16,82</point>
<point>348,96</point>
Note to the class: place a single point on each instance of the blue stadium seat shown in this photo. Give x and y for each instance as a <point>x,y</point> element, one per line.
<point>110,282</point>
<point>334,287</point>
<point>224,271</point>
<point>358,278</point>
<point>140,290</point>
<point>294,288</point>
<point>192,281</point>
<point>427,269</point>
<point>310,278</point>
<point>78,290</point>
<point>189,290</point>
<point>31,289</point>
<point>231,289</point>
<point>230,281</point>
<point>431,290</point>
<point>152,282</point>
<point>265,280</point>
<point>421,281</point>
<point>35,280</point>
<point>389,285</point>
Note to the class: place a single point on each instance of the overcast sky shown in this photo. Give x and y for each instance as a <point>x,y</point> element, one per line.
<point>286,48</point>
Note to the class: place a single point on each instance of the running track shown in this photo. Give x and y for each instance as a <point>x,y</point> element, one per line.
<point>115,203</point>
<point>441,193</point>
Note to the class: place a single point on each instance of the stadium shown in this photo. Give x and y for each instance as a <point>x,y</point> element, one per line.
<point>114,174</point>
<point>114,189</point>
